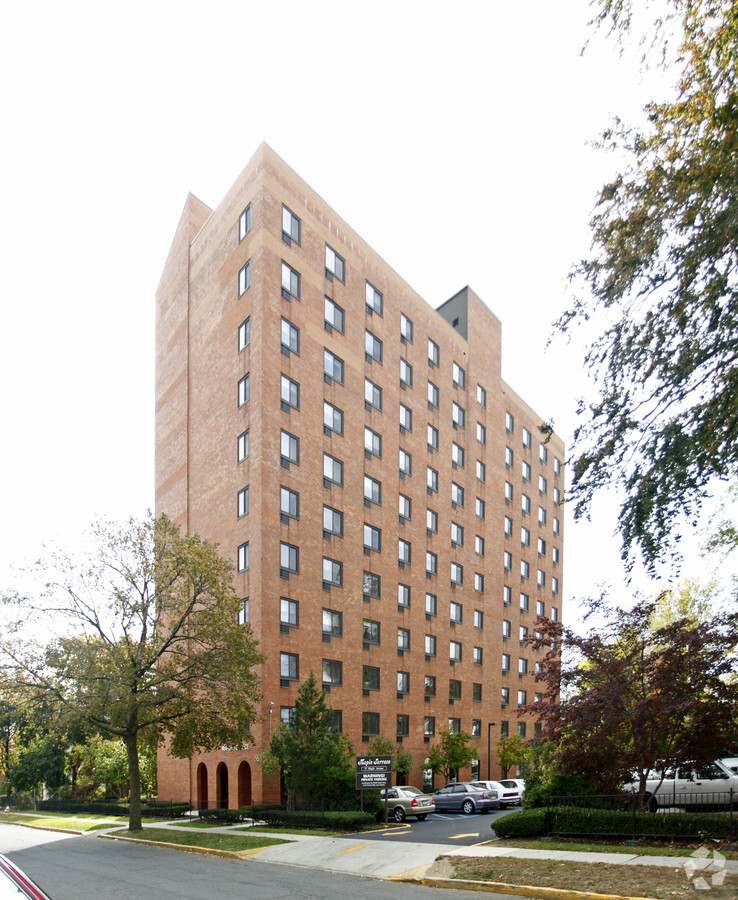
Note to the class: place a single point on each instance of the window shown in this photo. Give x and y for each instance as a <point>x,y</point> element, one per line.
<point>432,396</point>
<point>403,682</point>
<point>431,563</point>
<point>332,522</point>
<point>541,516</point>
<point>372,395</point>
<point>404,549</point>
<point>557,496</point>
<point>431,480</point>
<point>372,491</point>
<point>454,726</point>
<point>372,347</point>
<point>371,632</point>
<point>543,453</point>
<point>289,666</point>
<point>404,507</point>
<point>524,569</point>
<point>332,418</point>
<point>508,526</point>
<point>524,602</point>
<point>541,547</point>
<point>509,423</point>
<point>429,726</point>
<point>244,446</point>
<point>524,536</point>
<point>332,470</point>
<point>476,731</point>
<point>290,282</point>
<point>479,507</point>
<point>333,316</point>
<point>457,574</point>
<point>479,582</point>
<point>243,557</point>
<point>540,608</point>
<point>433,355</point>
<point>457,455</point>
<point>459,376</point>
<point>454,651</point>
<point>289,393</point>
<point>557,466</point>
<point>554,585</point>
<point>556,525</point>
<point>430,686</point>
<point>508,492</point>
<point>527,439</point>
<point>554,614</point>
<point>244,279</point>
<point>522,729</point>
<point>456,612</point>
<point>542,485</point>
<point>332,367</point>
<point>458,415</point>
<point>370,678</point>
<point>369,725</point>
<point>406,374</point>
<point>406,329</point>
<point>244,613</point>
<point>457,535</point>
<point>335,265</point>
<point>332,671</point>
<point>506,596</point>
<point>403,639</point>
<point>454,686</point>
<point>332,623</point>
<point>289,504</point>
<point>481,471</point>
<point>372,586</point>
<point>526,471</point>
<point>522,635</point>
<point>406,418</point>
<point>509,458</point>
<point>504,729</point>
<point>431,604</point>
<point>481,433</point>
<point>522,698</point>
<point>430,645</point>
<point>406,463</point>
<point>478,618</point>
<point>244,223</point>
<point>506,629</point>
<point>373,300</point>
<point>555,553</point>
<point>244,334</point>
<point>288,612</point>
<point>289,449</point>
<point>403,595</point>
<point>290,226</point>
<point>481,395</point>
<point>372,443</point>
<point>507,560</point>
<point>289,559</point>
<point>372,539</point>
<point>505,662</point>
<point>457,495</point>
<point>332,572</point>
<point>243,502</point>
<point>479,545</point>
<point>477,691</point>
<point>290,338</point>
<point>525,504</point>
<point>432,438</point>
<point>505,696</point>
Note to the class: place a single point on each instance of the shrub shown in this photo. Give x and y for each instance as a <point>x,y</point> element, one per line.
<point>335,820</point>
<point>527,823</point>
<point>220,814</point>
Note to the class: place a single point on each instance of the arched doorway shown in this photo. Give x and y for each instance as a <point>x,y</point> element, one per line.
<point>202,786</point>
<point>244,784</point>
<point>221,778</point>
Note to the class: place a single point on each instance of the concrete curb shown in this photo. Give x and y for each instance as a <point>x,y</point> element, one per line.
<point>185,848</point>
<point>521,890</point>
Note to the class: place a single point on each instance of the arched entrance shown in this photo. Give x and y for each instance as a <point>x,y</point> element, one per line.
<point>244,784</point>
<point>221,779</point>
<point>202,786</point>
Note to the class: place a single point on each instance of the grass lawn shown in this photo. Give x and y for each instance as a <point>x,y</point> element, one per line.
<point>592,847</point>
<point>206,840</point>
<point>73,822</point>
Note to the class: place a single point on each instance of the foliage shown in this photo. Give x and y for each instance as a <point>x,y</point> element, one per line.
<point>454,751</point>
<point>663,278</point>
<point>316,760</point>
<point>104,762</point>
<point>402,759</point>
<point>513,751</point>
<point>526,823</point>
<point>634,697</point>
<point>334,820</point>
<point>141,641</point>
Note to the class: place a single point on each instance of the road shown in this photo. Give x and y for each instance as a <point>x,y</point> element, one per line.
<point>445,828</point>
<point>88,868</point>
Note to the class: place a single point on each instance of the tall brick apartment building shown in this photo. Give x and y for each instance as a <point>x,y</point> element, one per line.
<point>391,510</point>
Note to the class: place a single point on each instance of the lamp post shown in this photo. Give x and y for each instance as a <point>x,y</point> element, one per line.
<point>489,750</point>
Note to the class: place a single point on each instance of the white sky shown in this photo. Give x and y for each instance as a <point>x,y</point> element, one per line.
<point>452,137</point>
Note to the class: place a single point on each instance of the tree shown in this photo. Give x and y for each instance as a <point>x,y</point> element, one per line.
<point>636,697</point>
<point>663,275</point>
<point>402,760</point>
<point>315,759</point>
<point>146,644</point>
<point>454,751</point>
<point>512,751</point>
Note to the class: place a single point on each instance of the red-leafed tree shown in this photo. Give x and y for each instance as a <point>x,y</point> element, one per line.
<point>630,695</point>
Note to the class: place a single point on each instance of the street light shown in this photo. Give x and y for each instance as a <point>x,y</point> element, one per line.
<point>489,750</point>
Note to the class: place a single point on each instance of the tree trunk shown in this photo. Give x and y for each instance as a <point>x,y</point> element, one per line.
<point>134,775</point>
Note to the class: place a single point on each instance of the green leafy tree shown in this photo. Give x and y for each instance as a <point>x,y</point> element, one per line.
<point>663,277</point>
<point>402,759</point>
<point>316,761</point>
<point>146,644</point>
<point>455,750</point>
<point>513,751</point>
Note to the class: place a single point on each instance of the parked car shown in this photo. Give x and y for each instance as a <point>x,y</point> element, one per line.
<point>508,792</point>
<point>731,763</point>
<point>15,883</point>
<point>466,797</point>
<point>708,785</point>
<point>513,783</point>
<point>406,800</point>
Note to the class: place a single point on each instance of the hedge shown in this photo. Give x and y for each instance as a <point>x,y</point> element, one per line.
<point>335,820</point>
<point>527,823</point>
<point>220,814</point>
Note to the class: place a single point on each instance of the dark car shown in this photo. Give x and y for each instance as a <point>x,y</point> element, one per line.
<point>15,883</point>
<point>463,796</point>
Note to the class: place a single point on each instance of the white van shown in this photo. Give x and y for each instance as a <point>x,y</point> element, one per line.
<point>710,784</point>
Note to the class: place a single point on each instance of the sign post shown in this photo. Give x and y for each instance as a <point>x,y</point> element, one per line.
<point>374,773</point>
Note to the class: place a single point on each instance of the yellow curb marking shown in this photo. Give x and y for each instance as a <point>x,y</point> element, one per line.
<point>455,837</point>
<point>523,890</point>
<point>409,874</point>
<point>357,847</point>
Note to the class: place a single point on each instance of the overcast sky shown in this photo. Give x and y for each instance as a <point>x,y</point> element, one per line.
<point>452,137</point>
